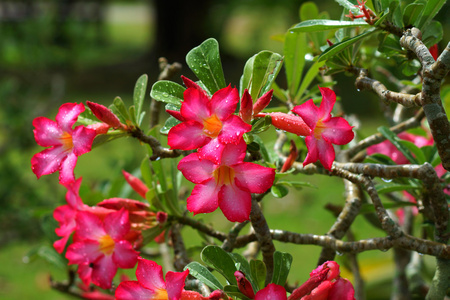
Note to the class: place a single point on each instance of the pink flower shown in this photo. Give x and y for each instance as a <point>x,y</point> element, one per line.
<point>271,291</point>
<point>150,283</point>
<point>207,123</point>
<point>325,130</point>
<point>224,180</point>
<point>101,247</point>
<point>136,184</point>
<point>245,287</point>
<point>65,143</point>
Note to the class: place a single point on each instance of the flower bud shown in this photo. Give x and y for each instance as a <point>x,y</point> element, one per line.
<point>288,122</point>
<point>135,183</point>
<point>262,102</point>
<point>293,153</point>
<point>245,111</point>
<point>104,114</point>
<point>244,285</point>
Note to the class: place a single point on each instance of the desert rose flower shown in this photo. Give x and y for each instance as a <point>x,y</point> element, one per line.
<point>101,246</point>
<point>325,130</point>
<point>224,180</point>
<point>271,291</point>
<point>66,143</point>
<point>207,123</point>
<point>150,284</point>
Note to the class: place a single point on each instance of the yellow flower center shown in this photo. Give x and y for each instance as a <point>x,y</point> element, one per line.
<point>318,129</point>
<point>66,140</point>
<point>106,244</point>
<point>212,126</point>
<point>224,175</point>
<point>160,294</point>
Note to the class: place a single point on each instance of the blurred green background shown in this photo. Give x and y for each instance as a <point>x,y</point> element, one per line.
<point>52,52</point>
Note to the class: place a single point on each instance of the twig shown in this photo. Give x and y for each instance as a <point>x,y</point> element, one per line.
<point>158,150</point>
<point>181,258</point>
<point>228,244</point>
<point>201,227</point>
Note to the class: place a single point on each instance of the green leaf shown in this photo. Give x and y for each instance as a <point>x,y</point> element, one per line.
<point>101,139</point>
<point>338,47</point>
<point>87,117</point>
<point>204,61</point>
<point>48,225</point>
<point>378,158</point>
<point>389,187</point>
<point>308,11</point>
<point>49,254</point>
<point>309,77</point>
<point>170,122</point>
<point>244,267</point>
<point>297,184</point>
<point>431,155</point>
<point>168,92</point>
<point>419,155</point>
<point>410,67</point>
<point>279,93</point>
<point>258,272</point>
<point>146,172</point>
<point>259,73</point>
<point>218,259</point>
<point>121,108</point>
<point>294,59</point>
<point>395,140</point>
<point>429,12</point>
<point>281,266</point>
<point>382,17</point>
<point>139,95</point>
<point>132,112</point>
<point>348,5</point>
<point>411,13</point>
<point>322,25</point>
<point>261,125</point>
<point>279,191</point>
<point>233,290</point>
<point>150,234</point>
<point>433,34</point>
<point>204,275</point>
<point>262,147</point>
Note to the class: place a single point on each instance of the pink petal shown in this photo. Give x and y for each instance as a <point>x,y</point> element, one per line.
<point>47,161</point>
<point>89,226</point>
<point>72,195</point>
<point>82,138</point>
<point>313,152</point>
<point>309,112</point>
<point>67,167</point>
<point>175,284</point>
<point>338,131</point>
<point>187,136</point>
<point>132,290</point>
<point>117,224</point>
<point>224,102</point>
<point>176,114</point>
<point>271,292</point>
<point>196,105</point>
<point>233,153</point>
<point>212,151</point>
<point>342,290</point>
<point>253,177</point>
<point>232,130</point>
<point>84,272</point>
<point>262,102</point>
<point>68,114</point>
<point>59,245</point>
<point>235,203</point>
<point>196,170</point>
<point>204,198</point>
<point>319,150</point>
<point>149,274</point>
<point>321,292</point>
<point>328,100</point>
<point>103,272</point>
<point>191,84</point>
<point>46,132</point>
<point>124,255</point>
<point>83,252</point>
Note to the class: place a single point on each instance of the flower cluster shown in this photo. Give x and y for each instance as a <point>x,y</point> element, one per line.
<point>218,169</point>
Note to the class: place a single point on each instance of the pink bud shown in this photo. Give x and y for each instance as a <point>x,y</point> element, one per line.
<point>288,122</point>
<point>245,111</point>
<point>293,153</point>
<point>104,114</point>
<point>161,217</point>
<point>218,295</point>
<point>244,285</point>
<point>136,184</point>
<point>313,282</point>
<point>434,51</point>
<point>262,102</point>
<point>176,114</point>
<point>100,128</point>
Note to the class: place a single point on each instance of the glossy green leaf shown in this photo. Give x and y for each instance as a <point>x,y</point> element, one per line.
<point>168,92</point>
<point>411,13</point>
<point>279,190</point>
<point>308,11</point>
<point>139,95</point>
<point>146,172</point>
<point>204,61</point>
<point>379,158</point>
<point>87,117</point>
<point>101,139</point>
<point>47,253</point>
<point>294,59</point>
<point>385,14</point>
<point>150,234</point>
<point>322,25</point>
<point>204,275</point>
<point>218,259</point>
<point>431,155</point>
<point>297,184</point>
<point>121,108</point>
<point>429,12</point>
<point>279,93</point>
<point>262,147</point>
<point>170,122</point>
<point>397,13</point>
<point>338,47</point>
<point>244,267</point>
<point>132,112</point>
<point>348,6</point>
<point>395,140</point>
<point>389,187</point>
<point>281,266</point>
<point>259,73</point>
<point>419,155</point>
<point>261,125</point>
<point>313,71</point>
<point>258,271</point>
<point>433,34</point>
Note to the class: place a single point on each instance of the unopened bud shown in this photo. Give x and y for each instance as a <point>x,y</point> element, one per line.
<point>246,110</point>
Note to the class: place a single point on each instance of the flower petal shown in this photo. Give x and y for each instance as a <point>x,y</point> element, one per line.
<point>232,130</point>
<point>313,152</point>
<point>224,102</point>
<point>149,274</point>
<point>59,245</point>
<point>89,226</point>
<point>83,252</point>
<point>187,136</point>
<point>342,289</point>
<point>233,153</point>
<point>82,138</point>
<point>253,177</point>
<point>67,167</point>
<point>175,284</point>
<point>68,114</point>
<point>309,112</point>
<point>328,100</point>
<point>46,132</point>
<point>212,151</point>
<point>132,290</point>
<point>195,169</point>
<point>124,255</point>
<point>196,105</point>
<point>117,224</point>
<point>271,291</point>
<point>72,195</point>
<point>204,197</point>
<point>338,131</point>
<point>47,161</point>
<point>103,272</point>
<point>235,203</point>
<point>319,150</point>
